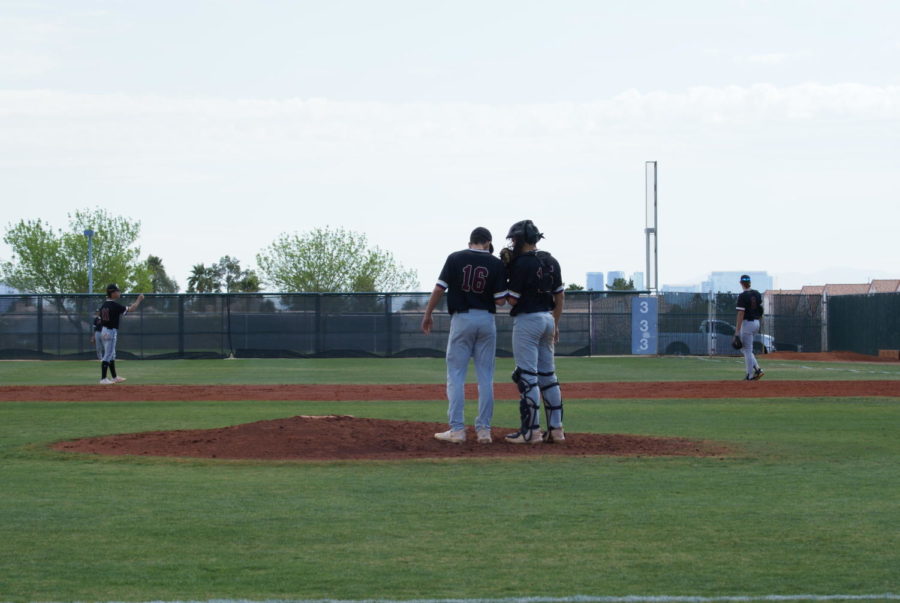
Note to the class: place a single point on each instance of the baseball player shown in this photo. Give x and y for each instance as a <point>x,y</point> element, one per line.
<point>537,295</point>
<point>749,315</point>
<point>95,335</point>
<point>110,313</point>
<point>475,283</point>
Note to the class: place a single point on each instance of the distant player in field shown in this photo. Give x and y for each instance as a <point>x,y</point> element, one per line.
<point>749,316</point>
<point>110,313</point>
<point>475,283</point>
<point>95,335</point>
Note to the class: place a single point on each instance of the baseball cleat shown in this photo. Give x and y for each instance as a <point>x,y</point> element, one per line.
<point>118,379</point>
<point>457,436</point>
<point>757,374</point>
<point>484,436</point>
<point>556,435</point>
<point>524,437</point>
<point>106,382</point>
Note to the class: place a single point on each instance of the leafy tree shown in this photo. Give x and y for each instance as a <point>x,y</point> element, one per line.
<point>574,287</point>
<point>620,284</point>
<point>235,279</point>
<point>226,274</point>
<point>204,279</point>
<point>330,260</point>
<point>160,282</point>
<point>46,260</point>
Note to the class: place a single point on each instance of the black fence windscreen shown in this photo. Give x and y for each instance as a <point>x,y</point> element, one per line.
<point>388,325</point>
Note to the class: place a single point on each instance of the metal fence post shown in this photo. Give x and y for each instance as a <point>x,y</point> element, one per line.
<point>590,297</point>
<point>320,336</point>
<point>40,324</point>
<point>387,323</point>
<point>824,321</point>
<point>181,326</point>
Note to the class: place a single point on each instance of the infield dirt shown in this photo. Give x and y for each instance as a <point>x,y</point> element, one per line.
<point>336,437</point>
<point>344,437</point>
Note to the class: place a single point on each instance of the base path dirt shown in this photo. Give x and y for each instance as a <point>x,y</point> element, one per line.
<point>503,391</point>
<point>338,437</point>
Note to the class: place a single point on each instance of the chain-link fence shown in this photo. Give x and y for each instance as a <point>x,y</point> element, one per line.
<point>864,323</point>
<point>388,324</point>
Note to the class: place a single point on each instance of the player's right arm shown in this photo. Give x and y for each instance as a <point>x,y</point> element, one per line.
<point>427,320</point>
<point>137,303</point>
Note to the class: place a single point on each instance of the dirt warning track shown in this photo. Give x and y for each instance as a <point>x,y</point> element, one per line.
<point>503,391</point>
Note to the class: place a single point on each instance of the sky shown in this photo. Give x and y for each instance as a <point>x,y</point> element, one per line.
<point>221,124</point>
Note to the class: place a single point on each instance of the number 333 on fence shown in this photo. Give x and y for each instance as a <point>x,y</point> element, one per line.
<point>644,325</point>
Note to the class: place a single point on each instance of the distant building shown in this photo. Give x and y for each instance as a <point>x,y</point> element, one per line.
<point>638,278</point>
<point>595,281</point>
<point>729,281</point>
<point>680,289</point>
<point>612,276</point>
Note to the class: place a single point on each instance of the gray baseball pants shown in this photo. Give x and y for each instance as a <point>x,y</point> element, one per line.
<point>533,348</point>
<point>749,328</point>
<point>473,334</point>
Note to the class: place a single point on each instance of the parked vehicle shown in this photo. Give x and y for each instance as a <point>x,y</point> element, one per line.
<point>712,336</point>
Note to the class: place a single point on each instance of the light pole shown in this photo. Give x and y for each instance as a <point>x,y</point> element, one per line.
<point>90,236</point>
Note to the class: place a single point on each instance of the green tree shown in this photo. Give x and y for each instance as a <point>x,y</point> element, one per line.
<point>160,282</point>
<point>574,287</point>
<point>204,279</point>
<point>225,275</point>
<point>236,280</point>
<point>620,284</point>
<point>330,260</point>
<point>48,260</point>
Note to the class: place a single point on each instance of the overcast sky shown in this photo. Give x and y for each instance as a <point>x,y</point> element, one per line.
<point>221,124</point>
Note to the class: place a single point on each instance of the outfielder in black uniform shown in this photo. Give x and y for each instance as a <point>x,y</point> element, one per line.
<point>475,283</point>
<point>110,313</point>
<point>749,318</point>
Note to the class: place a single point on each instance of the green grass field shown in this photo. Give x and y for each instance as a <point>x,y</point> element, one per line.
<point>809,503</point>
<point>424,370</point>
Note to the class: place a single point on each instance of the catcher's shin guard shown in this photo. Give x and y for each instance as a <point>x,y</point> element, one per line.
<point>552,396</point>
<point>528,404</point>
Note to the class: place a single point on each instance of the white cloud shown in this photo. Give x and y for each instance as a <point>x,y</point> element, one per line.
<point>101,127</point>
<point>773,58</point>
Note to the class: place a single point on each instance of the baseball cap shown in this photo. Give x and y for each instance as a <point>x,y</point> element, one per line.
<point>481,235</point>
<point>112,287</point>
<point>745,278</point>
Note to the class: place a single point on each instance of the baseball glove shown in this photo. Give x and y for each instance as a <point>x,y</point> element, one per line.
<point>736,342</point>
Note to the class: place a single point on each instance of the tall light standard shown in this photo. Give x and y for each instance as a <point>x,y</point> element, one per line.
<point>90,236</point>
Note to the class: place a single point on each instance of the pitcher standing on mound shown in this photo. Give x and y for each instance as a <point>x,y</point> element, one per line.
<point>475,282</point>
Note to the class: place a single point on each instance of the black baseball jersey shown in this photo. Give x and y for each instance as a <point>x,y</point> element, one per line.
<point>473,279</point>
<point>534,278</point>
<point>750,301</point>
<point>110,312</point>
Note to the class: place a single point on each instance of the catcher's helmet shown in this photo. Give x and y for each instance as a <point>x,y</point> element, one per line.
<point>525,231</point>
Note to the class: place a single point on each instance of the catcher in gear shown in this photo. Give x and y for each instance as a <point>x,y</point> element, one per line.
<point>536,294</point>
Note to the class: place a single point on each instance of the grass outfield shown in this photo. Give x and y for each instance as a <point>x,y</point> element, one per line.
<point>424,370</point>
<point>808,503</point>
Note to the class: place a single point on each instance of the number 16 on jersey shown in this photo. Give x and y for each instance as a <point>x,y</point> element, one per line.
<point>644,325</point>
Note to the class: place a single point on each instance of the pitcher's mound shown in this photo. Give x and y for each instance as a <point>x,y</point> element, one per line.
<point>346,437</point>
